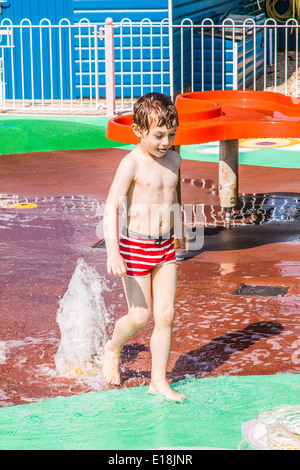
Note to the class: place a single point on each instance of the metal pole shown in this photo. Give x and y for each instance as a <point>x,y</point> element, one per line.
<point>228,175</point>
<point>96,66</point>
<point>109,67</point>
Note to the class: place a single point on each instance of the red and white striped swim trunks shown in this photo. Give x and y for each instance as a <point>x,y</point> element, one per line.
<point>142,253</point>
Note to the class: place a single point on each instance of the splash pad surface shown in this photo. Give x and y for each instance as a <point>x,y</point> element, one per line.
<point>215,333</point>
<point>130,418</point>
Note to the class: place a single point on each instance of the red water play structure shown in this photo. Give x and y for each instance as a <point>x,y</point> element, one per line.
<point>225,116</point>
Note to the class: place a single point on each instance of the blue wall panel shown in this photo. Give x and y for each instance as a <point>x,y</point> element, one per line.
<point>36,10</point>
<point>44,71</point>
<point>207,78</point>
<point>197,11</point>
<point>98,11</point>
<point>135,10</point>
<point>95,11</point>
<point>75,10</point>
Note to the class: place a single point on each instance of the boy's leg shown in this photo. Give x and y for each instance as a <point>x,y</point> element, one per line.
<point>138,295</point>
<point>164,283</point>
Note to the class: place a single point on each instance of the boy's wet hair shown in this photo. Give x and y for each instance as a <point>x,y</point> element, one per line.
<point>154,108</point>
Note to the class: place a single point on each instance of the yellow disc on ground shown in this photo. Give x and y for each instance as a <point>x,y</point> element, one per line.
<point>267,143</point>
<point>24,205</point>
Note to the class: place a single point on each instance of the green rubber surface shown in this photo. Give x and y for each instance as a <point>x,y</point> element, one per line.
<point>36,134</point>
<point>276,157</point>
<point>131,418</point>
<point>40,135</point>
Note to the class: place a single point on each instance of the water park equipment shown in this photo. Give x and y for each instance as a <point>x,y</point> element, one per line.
<point>225,116</point>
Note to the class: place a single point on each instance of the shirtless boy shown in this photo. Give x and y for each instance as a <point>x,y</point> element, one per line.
<point>146,180</point>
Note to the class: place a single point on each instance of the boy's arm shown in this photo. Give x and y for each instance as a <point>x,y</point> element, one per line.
<point>180,238</point>
<point>117,193</point>
<point>179,231</point>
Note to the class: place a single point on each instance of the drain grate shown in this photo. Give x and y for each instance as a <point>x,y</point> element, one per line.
<point>262,290</point>
<point>99,244</point>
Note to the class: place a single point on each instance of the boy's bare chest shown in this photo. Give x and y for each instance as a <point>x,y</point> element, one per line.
<point>157,178</point>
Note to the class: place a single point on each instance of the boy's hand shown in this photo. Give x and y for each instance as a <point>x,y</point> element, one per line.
<point>181,243</point>
<point>116,265</point>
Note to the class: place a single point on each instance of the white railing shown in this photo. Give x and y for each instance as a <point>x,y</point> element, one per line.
<point>256,56</point>
<point>51,67</point>
<point>92,67</point>
<point>142,62</point>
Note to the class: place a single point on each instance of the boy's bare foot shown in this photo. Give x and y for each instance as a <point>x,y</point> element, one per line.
<point>111,365</point>
<point>164,388</point>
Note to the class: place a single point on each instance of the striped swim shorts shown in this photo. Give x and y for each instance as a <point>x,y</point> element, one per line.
<point>142,253</point>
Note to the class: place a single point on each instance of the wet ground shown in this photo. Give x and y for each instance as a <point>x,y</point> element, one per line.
<point>216,332</point>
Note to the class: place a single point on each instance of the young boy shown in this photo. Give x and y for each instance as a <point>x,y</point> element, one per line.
<point>146,180</point>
